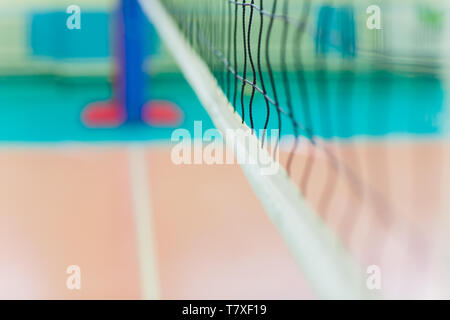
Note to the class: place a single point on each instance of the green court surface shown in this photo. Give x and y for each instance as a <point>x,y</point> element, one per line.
<point>48,109</point>
<point>376,104</point>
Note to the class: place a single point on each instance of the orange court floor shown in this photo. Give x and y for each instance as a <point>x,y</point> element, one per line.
<point>63,205</point>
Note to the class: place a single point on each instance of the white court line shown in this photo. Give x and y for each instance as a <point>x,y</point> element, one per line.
<point>142,210</point>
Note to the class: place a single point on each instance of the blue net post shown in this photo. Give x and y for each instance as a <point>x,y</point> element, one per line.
<point>132,78</point>
<point>128,103</point>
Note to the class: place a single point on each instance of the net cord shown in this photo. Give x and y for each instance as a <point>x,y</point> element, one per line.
<point>328,266</point>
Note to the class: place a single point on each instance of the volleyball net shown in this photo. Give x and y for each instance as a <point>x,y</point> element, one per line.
<point>310,80</point>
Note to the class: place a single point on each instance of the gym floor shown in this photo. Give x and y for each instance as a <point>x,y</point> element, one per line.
<point>66,199</point>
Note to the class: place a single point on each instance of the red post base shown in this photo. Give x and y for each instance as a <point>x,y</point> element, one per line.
<point>109,114</point>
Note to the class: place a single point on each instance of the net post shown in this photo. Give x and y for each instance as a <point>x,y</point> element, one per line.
<point>130,84</point>
<point>131,60</point>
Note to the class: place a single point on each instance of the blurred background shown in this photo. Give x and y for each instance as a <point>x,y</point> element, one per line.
<point>71,192</point>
